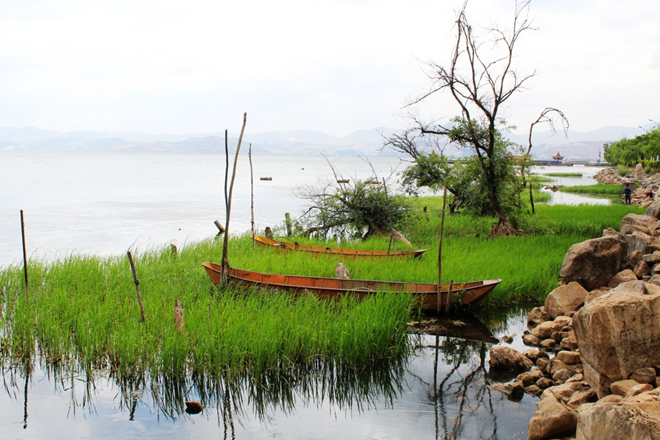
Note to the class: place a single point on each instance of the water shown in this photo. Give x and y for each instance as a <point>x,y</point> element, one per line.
<point>562,198</point>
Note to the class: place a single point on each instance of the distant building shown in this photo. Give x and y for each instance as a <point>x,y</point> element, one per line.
<point>558,157</point>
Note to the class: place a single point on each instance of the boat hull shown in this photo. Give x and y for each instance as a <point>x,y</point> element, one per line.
<point>426,294</point>
<point>286,246</point>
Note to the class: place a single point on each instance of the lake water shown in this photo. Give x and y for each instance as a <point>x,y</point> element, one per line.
<point>106,204</point>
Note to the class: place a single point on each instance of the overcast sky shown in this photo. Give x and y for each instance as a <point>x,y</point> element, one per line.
<point>337,66</point>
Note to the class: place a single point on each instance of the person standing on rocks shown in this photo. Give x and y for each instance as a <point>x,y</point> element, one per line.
<point>627,192</point>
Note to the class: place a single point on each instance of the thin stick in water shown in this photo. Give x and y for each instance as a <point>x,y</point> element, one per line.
<point>25,265</point>
<point>442,230</point>
<point>137,285</point>
<point>251,193</point>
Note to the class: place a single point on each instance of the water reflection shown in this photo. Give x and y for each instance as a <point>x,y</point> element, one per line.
<point>439,389</point>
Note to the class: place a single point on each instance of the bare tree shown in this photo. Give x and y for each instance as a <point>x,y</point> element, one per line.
<point>480,78</point>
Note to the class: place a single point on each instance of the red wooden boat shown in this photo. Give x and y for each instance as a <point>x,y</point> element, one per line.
<point>426,294</point>
<point>282,245</point>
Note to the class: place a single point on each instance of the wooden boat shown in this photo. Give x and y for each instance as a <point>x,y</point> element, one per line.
<point>282,245</point>
<point>426,294</point>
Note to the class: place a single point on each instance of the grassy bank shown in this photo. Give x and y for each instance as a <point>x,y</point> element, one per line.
<point>600,188</point>
<point>84,309</point>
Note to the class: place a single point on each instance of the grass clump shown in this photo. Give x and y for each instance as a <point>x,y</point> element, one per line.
<point>600,188</point>
<point>563,174</point>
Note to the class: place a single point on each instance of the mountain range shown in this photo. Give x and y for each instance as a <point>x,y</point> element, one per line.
<point>368,142</point>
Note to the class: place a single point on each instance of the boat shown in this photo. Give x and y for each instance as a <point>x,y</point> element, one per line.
<point>426,294</point>
<point>293,246</point>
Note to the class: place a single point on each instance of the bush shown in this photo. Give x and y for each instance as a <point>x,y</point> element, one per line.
<point>622,170</point>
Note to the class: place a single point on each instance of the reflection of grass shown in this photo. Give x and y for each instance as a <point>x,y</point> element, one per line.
<point>563,174</point>
<point>600,188</point>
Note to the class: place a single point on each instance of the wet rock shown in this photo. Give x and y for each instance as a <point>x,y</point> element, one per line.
<point>533,390</point>
<point>513,390</point>
<point>530,340</point>
<point>536,316</point>
<point>534,354</point>
<point>548,343</point>
<point>545,329</point>
<point>194,407</point>
<point>544,383</point>
<point>503,358</point>
<point>530,377</point>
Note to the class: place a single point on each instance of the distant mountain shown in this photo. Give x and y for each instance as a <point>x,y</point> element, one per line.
<point>367,142</point>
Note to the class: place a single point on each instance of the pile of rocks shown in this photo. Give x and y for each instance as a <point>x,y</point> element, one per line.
<point>645,186</point>
<point>597,340</point>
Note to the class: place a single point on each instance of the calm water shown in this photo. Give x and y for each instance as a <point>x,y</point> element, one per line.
<point>108,203</point>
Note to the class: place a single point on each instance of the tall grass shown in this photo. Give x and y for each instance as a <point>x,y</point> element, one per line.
<point>600,188</point>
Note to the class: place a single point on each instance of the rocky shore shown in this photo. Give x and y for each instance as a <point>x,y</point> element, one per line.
<point>594,356</point>
<point>645,186</point>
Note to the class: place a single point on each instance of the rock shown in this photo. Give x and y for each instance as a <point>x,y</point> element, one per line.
<point>639,172</point>
<point>542,363</point>
<point>534,390</point>
<point>530,340</point>
<point>642,269</point>
<point>569,343</point>
<point>631,287</point>
<point>563,321</point>
<point>503,358</point>
<point>562,375</point>
<point>548,343</point>
<point>530,377</point>
<point>533,354</point>
<point>652,259</point>
<point>341,271</point>
<point>644,375</point>
<point>514,390</point>
<point>593,262</point>
<point>618,333</point>
<point>654,210</point>
<point>563,299</point>
<point>635,417</point>
<point>622,387</point>
<point>569,357</point>
<point>596,293</point>
<point>507,338</point>
<point>639,389</point>
<point>610,231</point>
<point>582,397</point>
<point>638,222</point>
<point>545,329</point>
<point>652,289</point>
<point>553,418</point>
<point>194,407</point>
<point>636,247</point>
<point>622,277</point>
<point>544,383</point>
<point>536,316</point>
<point>655,279</point>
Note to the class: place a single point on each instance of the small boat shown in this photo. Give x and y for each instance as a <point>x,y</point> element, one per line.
<point>426,294</point>
<point>268,242</point>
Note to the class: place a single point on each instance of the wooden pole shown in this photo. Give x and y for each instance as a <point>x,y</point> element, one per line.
<point>451,284</point>
<point>218,225</point>
<point>137,285</point>
<point>251,193</point>
<point>25,265</point>
<point>287,221</point>
<point>228,197</point>
<point>442,230</point>
<point>389,216</point>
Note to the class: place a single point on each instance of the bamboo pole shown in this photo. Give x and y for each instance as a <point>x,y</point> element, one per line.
<point>251,193</point>
<point>442,230</point>
<point>228,197</point>
<point>137,285</point>
<point>25,265</point>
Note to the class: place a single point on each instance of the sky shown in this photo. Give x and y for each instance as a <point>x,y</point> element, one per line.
<point>335,66</point>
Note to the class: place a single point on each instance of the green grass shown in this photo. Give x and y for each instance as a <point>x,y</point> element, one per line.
<point>563,174</point>
<point>600,188</point>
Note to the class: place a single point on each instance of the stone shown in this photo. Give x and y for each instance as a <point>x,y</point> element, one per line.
<point>530,340</point>
<point>341,271</point>
<point>622,277</point>
<point>651,289</point>
<point>639,389</point>
<point>565,391</point>
<point>534,390</point>
<point>514,390</point>
<point>609,232</point>
<point>593,262</point>
<point>530,377</point>
<point>636,246</point>
<point>545,329</point>
<point>644,375</point>
<point>637,286</point>
<point>642,269</point>
<point>639,172</point>
<point>536,316</point>
<point>582,397</point>
<point>507,339</point>
<point>636,417</point>
<point>569,357</point>
<point>534,354</point>
<point>562,375</point>
<point>564,321</point>
<point>569,343</point>
<point>652,259</point>
<point>618,333</point>
<point>654,210</point>
<point>622,387</point>
<point>638,222</point>
<point>596,293</point>
<point>655,279</point>
<point>544,383</point>
<point>569,297</point>
<point>548,343</point>
<point>553,418</point>
<point>504,358</point>
<point>542,363</point>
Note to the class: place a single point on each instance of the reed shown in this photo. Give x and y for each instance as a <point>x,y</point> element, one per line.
<point>563,174</point>
<point>600,188</point>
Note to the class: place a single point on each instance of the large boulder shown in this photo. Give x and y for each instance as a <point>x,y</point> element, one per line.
<point>634,417</point>
<point>654,209</point>
<point>594,262</point>
<point>564,299</point>
<point>553,419</point>
<point>638,222</point>
<point>617,333</point>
